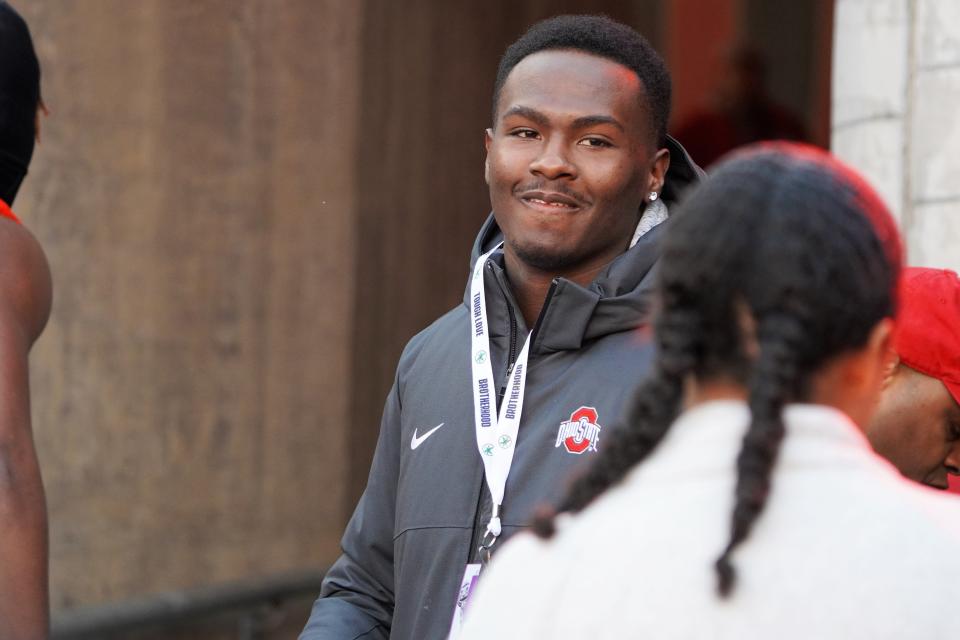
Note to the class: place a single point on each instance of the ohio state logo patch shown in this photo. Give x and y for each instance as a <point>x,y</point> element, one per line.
<point>581,432</point>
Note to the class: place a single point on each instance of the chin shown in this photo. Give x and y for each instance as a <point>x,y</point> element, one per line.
<point>545,257</point>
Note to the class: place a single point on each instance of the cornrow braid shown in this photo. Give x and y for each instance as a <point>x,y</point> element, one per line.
<point>774,381</point>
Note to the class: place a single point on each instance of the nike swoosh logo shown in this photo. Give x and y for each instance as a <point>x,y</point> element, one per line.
<point>416,442</point>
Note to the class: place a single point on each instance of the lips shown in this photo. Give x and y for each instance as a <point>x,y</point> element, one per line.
<point>550,201</point>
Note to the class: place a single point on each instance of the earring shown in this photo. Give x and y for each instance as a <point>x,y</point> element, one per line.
<point>653,196</point>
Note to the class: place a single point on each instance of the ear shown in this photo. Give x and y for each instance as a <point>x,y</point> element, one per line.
<point>865,368</point>
<point>890,367</point>
<point>872,362</point>
<point>880,344</point>
<point>487,141</point>
<point>852,381</point>
<point>658,170</point>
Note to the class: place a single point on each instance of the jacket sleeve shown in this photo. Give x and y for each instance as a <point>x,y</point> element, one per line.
<point>357,598</point>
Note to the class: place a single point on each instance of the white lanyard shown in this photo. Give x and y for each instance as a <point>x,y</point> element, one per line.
<point>496,434</point>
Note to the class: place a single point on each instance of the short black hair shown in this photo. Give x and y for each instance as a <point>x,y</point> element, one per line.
<point>600,36</point>
<point>19,100</point>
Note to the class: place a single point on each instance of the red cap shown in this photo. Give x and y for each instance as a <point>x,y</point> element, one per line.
<point>927,337</point>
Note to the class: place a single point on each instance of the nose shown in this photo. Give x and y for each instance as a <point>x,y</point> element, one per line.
<point>553,162</point>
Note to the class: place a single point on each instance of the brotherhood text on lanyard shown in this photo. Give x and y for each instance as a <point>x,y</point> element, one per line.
<point>496,433</point>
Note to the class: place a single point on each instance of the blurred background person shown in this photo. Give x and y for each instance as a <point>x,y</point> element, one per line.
<point>25,298</point>
<point>917,423</point>
<point>746,453</point>
<point>742,111</point>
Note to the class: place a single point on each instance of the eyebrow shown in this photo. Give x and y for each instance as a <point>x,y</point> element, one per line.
<point>541,119</point>
<point>591,121</point>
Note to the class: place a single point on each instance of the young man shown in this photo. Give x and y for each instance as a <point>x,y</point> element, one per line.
<point>25,294</point>
<point>498,401</point>
<point>917,424</point>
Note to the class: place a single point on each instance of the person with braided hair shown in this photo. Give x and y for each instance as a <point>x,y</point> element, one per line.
<point>743,499</point>
<point>25,299</point>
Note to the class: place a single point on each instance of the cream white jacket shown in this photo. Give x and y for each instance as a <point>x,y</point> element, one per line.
<point>845,548</point>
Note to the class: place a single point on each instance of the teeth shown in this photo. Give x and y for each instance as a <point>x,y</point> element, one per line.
<point>549,204</point>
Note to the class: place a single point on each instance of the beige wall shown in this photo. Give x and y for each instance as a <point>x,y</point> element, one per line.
<point>194,193</point>
<point>896,90</point>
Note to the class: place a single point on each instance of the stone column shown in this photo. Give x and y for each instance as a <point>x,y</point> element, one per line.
<point>896,86</point>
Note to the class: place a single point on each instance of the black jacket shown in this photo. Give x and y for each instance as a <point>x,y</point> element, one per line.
<point>424,509</point>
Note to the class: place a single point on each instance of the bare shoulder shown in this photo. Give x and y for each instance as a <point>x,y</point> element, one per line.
<point>26,289</point>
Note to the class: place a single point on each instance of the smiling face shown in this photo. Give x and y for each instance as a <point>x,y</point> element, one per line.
<point>917,427</point>
<point>570,160</point>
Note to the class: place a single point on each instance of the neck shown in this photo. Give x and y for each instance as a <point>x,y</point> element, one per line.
<point>530,284</point>
<point>700,391</point>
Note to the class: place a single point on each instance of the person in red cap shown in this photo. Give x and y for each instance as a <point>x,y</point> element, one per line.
<point>25,296</point>
<point>917,423</point>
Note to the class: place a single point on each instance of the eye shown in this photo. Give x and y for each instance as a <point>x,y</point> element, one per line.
<point>524,133</point>
<point>953,431</point>
<point>593,141</point>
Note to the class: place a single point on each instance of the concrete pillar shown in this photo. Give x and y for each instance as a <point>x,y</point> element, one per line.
<point>896,84</point>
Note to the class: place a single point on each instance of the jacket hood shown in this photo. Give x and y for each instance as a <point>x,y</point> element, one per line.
<point>619,298</point>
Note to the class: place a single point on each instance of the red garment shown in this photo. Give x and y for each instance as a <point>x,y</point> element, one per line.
<point>5,212</point>
<point>926,337</point>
